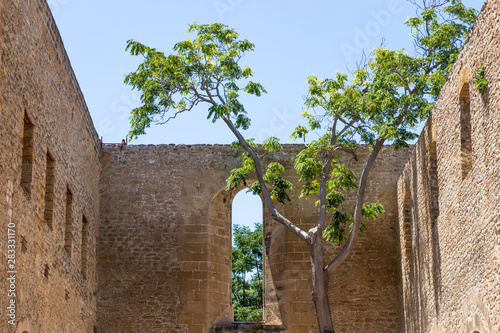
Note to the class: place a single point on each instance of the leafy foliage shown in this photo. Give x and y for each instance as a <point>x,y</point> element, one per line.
<point>439,31</point>
<point>335,231</point>
<point>205,69</point>
<point>382,102</point>
<point>280,186</point>
<point>480,80</point>
<point>247,273</point>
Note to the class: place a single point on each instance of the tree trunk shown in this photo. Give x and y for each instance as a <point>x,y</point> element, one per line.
<point>320,286</point>
<point>244,287</point>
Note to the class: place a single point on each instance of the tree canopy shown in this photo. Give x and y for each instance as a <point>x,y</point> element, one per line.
<point>382,102</point>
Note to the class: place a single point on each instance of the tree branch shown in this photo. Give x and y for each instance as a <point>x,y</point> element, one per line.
<point>322,185</point>
<point>265,191</point>
<point>347,249</point>
<point>347,126</point>
<point>349,151</point>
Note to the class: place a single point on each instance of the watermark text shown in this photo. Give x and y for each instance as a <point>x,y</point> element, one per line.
<point>11,260</point>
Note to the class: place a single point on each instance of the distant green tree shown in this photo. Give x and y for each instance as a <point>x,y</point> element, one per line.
<point>247,273</point>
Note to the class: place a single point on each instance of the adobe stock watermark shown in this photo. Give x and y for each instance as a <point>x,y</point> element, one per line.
<point>55,5</point>
<point>223,6</point>
<point>364,36</point>
<point>11,260</point>
<point>121,108</point>
<point>278,122</point>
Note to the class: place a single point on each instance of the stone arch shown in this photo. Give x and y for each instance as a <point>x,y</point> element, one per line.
<point>219,257</point>
<point>463,82</point>
<point>476,314</point>
<point>465,122</point>
<point>433,175</point>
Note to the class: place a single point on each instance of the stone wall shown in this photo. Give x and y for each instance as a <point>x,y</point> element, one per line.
<point>164,252</point>
<point>449,199</point>
<point>164,257</point>
<point>48,146</point>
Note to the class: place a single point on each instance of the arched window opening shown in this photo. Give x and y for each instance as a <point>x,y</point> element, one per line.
<point>27,157</point>
<point>407,227</point>
<point>85,247</point>
<point>465,130</point>
<point>49,190</point>
<point>433,179</point>
<point>247,256</point>
<point>68,225</point>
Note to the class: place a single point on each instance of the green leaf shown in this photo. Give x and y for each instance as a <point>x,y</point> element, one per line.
<point>272,144</point>
<point>255,88</point>
<point>480,80</point>
<point>372,211</point>
<point>205,69</point>
<point>299,133</point>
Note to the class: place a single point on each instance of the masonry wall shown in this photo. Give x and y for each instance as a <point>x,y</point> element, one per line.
<point>449,199</point>
<point>164,253</point>
<point>37,82</point>
<point>164,257</point>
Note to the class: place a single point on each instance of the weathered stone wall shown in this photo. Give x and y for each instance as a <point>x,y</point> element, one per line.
<point>164,252</point>
<point>164,257</point>
<point>449,199</point>
<point>36,79</point>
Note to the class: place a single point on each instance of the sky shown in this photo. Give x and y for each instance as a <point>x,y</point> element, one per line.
<point>293,40</point>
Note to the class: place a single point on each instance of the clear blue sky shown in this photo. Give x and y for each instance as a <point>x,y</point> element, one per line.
<point>247,209</point>
<point>294,39</point>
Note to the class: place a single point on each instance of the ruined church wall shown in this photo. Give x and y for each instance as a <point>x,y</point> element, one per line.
<point>36,79</point>
<point>164,257</point>
<point>155,270</point>
<point>449,199</point>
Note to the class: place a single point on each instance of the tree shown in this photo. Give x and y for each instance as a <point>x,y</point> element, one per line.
<point>382,102</point>
<point>247,263</point>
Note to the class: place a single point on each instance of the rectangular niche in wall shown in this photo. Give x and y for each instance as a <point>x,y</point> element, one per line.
<point>433,179</point>
<point>27,154</point>
<point>68,225</point>
<point>50,180</point>
<point>85,246</point>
